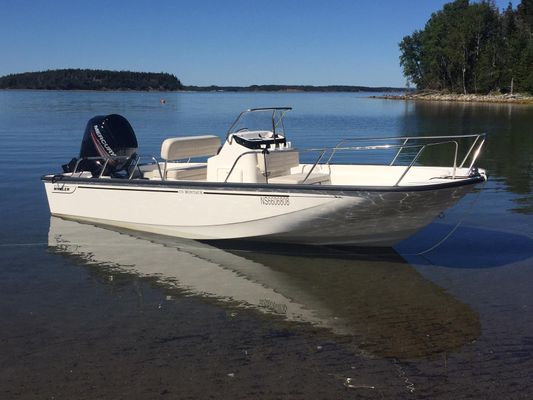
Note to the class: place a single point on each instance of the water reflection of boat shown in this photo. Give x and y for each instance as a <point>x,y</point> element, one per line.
<point>383,303</point>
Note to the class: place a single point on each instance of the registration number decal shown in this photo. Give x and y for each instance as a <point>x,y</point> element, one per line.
<point>275,200</point>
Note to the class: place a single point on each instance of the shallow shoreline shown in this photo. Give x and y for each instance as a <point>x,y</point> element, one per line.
<point>467,98</point>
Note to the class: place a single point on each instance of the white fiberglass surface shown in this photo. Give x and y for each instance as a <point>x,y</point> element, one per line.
<point>380,175</point>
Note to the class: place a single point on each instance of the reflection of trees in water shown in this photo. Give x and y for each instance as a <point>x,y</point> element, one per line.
<point>508,152</point>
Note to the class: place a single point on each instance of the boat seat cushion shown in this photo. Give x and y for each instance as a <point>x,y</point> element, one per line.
<point>297,179</point>
<point>189,147</point>
<point>191,173</point>
<point>278,162</point>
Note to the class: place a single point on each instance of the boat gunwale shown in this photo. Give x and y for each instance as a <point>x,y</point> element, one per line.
<point>265,187</point>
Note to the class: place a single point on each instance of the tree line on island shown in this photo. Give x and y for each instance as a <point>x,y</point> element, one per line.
<point>292,88</point>
<point>90,79</point>
<point>472,48</point>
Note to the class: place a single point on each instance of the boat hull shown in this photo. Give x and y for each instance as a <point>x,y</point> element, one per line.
<point>282,213</point>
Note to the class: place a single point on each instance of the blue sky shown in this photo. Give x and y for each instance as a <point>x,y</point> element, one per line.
<point>225,42</point>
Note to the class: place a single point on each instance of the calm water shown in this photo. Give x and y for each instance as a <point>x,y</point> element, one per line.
<point>88,312</point>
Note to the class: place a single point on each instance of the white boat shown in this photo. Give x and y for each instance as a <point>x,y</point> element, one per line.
<point>253,185</point>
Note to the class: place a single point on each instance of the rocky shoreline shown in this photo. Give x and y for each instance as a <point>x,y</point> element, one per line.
<point>470,98</point>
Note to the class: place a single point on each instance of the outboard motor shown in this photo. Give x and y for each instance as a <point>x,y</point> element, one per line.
<point>110,137</point>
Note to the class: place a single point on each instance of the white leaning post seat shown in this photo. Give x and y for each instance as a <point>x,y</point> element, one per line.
<point>185,148</point>
<point>278,168</point>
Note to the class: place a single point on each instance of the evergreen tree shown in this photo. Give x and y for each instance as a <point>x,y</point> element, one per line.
<point>472,47</point>
<point>88,79</point>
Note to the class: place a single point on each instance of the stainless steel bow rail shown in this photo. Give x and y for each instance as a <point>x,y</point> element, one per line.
<point>406,139</point>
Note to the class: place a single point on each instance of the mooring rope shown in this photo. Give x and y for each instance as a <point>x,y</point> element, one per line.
<point>459,223</point>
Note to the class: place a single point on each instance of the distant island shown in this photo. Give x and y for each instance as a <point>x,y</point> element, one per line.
<point>292,88</point>
<point>90,79</point>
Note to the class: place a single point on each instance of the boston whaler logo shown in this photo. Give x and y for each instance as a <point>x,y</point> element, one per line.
<point>63,188</point>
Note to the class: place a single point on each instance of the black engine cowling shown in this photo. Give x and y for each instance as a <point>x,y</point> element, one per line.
<point>112,139</point>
